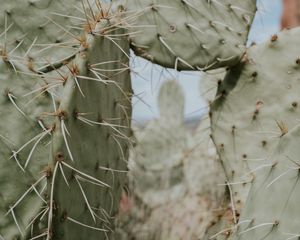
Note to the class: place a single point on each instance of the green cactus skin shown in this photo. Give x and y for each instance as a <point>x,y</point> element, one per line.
<point>256,105</point>
<point>209,83</point>
<point>39,30</point>
<point>190,34</point>
<point>171,175</point>
<point>103,115</point>
<point>65,136</point>
<point>271,210</point>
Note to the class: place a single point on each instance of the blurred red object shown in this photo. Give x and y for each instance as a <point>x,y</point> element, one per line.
<point>126,203</point>
<point>291,14</point>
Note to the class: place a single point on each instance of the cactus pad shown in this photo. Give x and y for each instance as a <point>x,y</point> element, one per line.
<point>190,34</point>
<point>255,106</point>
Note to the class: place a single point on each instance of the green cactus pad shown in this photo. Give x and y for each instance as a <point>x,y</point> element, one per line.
<point>190,34</point>
<point>23,146</point>
<point>93,137</point>
<point>271,210</point>
<point>44,34</point>
<point>256,104</point>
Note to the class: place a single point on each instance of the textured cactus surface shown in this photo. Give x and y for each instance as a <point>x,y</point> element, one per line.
<point>190,34</point>
<point>42,32</point>
<point>271,210</point>
<point>256,105</point>
<point>171,172</point>
<point>65,128</point>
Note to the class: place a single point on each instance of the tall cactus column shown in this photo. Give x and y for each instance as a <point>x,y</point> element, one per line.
<point>92,141</point>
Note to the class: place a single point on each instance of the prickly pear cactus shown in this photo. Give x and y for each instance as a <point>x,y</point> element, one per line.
<point>171,172</point>
<point>37,33</point>
<point>271,210</point>
<point>255,107</point>
<point>64,131</point>
<point>190,34</point>
<point>158,155</point>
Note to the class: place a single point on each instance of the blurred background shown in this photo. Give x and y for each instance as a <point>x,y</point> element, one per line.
<point>146,86</point>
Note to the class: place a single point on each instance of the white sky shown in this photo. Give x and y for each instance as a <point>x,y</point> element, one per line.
<point>148,77</point>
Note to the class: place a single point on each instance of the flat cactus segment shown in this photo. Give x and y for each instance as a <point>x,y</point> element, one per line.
<point>190,34</point>
<point>271,210</point>
<point>30,19</point>
<point>255,106</point>
<point>23,147</point>
<point>42,33</point>
<point>92,141</point>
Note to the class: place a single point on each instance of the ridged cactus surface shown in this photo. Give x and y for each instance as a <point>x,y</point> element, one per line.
<point>65,129</point>
<point>190,34</point>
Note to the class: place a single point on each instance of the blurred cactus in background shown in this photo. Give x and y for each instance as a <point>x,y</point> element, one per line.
<point>174,175</point>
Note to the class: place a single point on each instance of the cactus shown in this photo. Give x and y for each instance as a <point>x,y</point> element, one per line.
<point>173,170</point>
<point>249,109</point>
<point>190,34</point>
<point>65,127</point>
<point>271,209</point>
<point>249,120</point>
